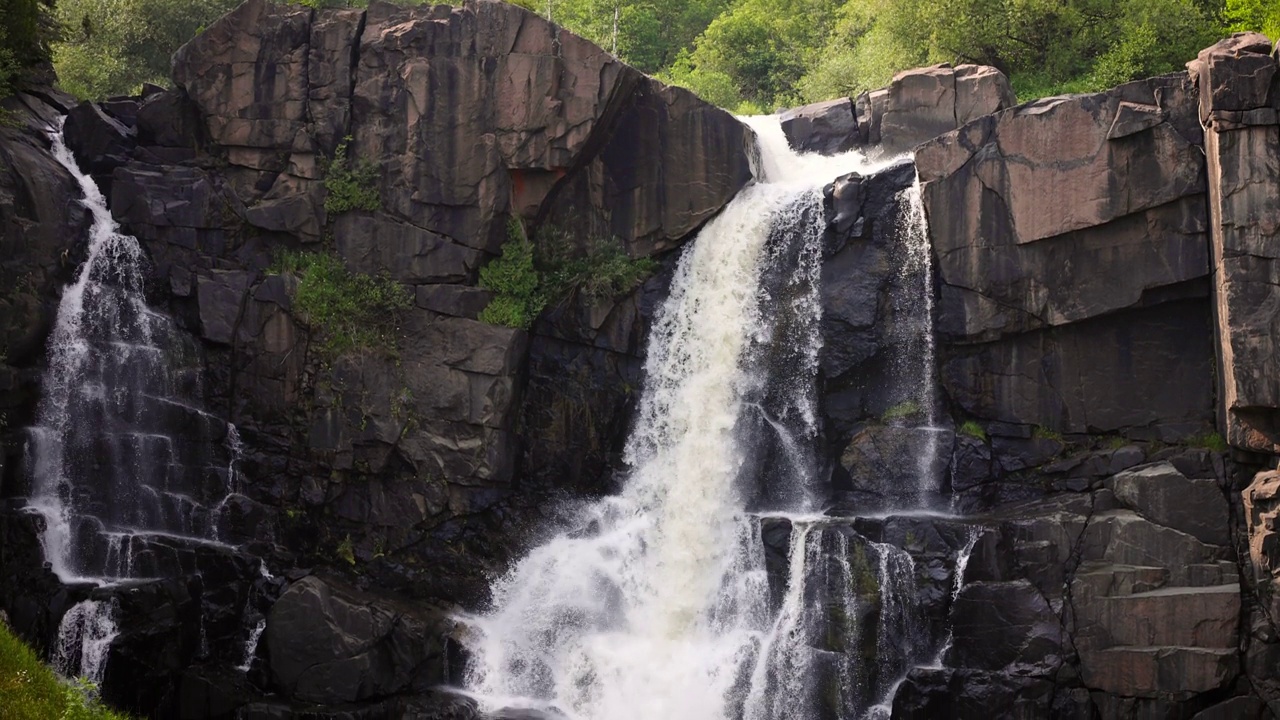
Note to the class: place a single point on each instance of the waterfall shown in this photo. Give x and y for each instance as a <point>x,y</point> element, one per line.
<point>126,467</point>
<point>911,332</point>
<point>128,472</point>
<point>84,638</point>
<point>657,603</point>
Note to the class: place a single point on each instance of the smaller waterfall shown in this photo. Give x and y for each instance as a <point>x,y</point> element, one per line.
<point>127,469</point>
<point>84,640</point>
<point>962,564</point>
<point>911,301</point>
<point>251,645</point>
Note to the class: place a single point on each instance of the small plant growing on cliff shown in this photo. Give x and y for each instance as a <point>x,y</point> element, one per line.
<point>973,430</point>
<point>1043,433</point>
<point>517,285</point>
<point>346,551</point>
<point>352,185</point>
<point>350,311</point>
<point>528,275</point>
<point>1208,440</point>
<point>901,411</point>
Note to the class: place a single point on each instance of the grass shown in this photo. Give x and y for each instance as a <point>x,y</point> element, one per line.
<point>973,430</point>
<point>350,311</point>
<point>1209,441</point>
<point>1043,433</point>
<point>30,690</point>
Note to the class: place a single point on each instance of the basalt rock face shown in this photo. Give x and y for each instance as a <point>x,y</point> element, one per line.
<point>1085,245</point>
<point>1239,103</point>
<point>1089,263</point>
<point>1072,218</point>
<point>413,470</point>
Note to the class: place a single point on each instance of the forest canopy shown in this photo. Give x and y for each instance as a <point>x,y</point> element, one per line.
<point>745,55</point>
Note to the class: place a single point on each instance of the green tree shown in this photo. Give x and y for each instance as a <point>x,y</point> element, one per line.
<point>113,46</point>
<point>1258,15</point>
<point>27,27</point>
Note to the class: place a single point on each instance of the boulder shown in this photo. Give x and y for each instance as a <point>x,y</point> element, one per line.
<point>1165,496</point>
<point>330,645</point>
<point>99,142</point>
<point>827,128</point>
<point>924,103</point>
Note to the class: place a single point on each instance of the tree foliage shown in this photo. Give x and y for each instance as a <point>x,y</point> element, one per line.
<point>111,47</point>
<point>27,28</point>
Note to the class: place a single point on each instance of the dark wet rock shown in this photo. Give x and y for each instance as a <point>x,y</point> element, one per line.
<point>104,142</point>
<point>328,645</point>
<point>828,128</point>
<point>1165,496</point>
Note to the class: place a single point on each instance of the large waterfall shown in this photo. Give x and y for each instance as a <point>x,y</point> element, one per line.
<point>659,603</point>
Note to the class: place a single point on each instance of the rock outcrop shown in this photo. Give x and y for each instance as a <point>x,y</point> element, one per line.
<point>1070,235</point>
<point>918,105</point>
<point>1239,103</point>
<point>417,467</point>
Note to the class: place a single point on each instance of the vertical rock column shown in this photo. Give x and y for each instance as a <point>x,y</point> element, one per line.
<point>1239,83</point>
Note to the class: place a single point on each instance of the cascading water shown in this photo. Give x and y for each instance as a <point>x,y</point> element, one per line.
<point>911,299</point>
<point>657,605</point>
<point>84,637</point>
<point>126,467</point>
<point>124,462</point>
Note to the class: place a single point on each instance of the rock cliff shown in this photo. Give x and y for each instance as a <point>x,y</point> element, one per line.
<point>1103,298</point>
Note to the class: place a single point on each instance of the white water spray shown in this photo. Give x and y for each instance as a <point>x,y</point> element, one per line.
<point>84,640</point>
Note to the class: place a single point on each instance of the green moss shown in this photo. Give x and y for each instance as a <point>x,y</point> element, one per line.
<point>350,311</point>
<point>1115,442</point>
<point>30,690</point>
<point>351,185</point>
<point>1044,433</point>
<point>1209,441</point>
<point>901,411</point>
<point>973,430</point>
<point>529,275</point>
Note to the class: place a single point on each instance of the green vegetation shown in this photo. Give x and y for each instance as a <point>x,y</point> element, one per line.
<point>352,185</point>
<point>111,47</point>
<point>350,311</point>
<point>29,689</point>
<point>973,430</point>
<point>901,411</point>
<point>1043,433</point>
<point>528,275</point>
<point>27,28</point>
<point>346,551</point>
<point>1209,440</point>
<point>757,55</point>
<point>745,55</point>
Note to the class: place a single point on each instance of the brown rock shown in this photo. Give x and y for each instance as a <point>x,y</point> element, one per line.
<point>924,103</point>
<point>1238,83</point>
<point>1153,671</point>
